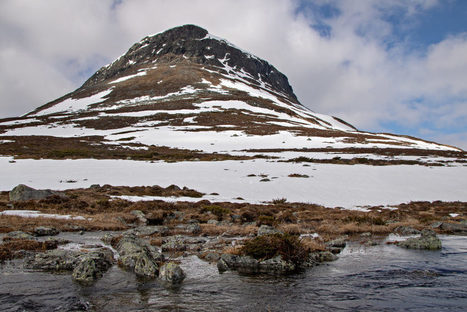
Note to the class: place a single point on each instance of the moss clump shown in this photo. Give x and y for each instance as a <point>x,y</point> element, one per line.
<point>289,247</point>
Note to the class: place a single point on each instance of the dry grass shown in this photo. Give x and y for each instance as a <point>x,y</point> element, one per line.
<point>234,230</point>
<point>10,247</point>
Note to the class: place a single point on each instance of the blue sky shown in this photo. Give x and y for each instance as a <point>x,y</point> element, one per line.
<point>383,65</point>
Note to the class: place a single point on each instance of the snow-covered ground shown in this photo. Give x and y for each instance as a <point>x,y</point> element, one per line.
<point>330,185</point>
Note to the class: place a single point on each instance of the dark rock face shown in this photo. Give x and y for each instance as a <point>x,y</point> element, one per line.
<point>194,43</point>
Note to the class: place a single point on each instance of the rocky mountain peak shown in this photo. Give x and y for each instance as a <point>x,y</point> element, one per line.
<point>190,43</point>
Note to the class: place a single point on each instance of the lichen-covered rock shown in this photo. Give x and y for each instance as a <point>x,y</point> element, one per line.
<point>323,256</point>
<point>249,265</point>
<point>276,265</point>
<point>454,228</point>
<point>53,260</point>
<point>138,256</point>
<point>267,229</point>
<point>92,265</point>
<point>175,243</point>
<point>86,266</point>
<point>19,235</point>
<point>193,228</point>
<point>406,230</point>
<point>172,273</point>
<point>45,231</point>
<point>428,241</point>
<point>336,246</point>
<point>139,216</point>
<point>23,192</point>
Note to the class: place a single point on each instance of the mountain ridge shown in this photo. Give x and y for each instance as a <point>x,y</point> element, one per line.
<point>187,90</point>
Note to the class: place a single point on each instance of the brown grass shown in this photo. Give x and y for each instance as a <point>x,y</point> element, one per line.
<point>10,247</point>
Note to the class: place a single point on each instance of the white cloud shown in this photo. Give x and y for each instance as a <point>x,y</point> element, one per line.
<point>46,46</point>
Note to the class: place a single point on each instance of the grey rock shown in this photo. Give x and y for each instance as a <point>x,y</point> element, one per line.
<point>193,228</point>
<point>45,231</point>
<point>138,256</point>
<point>249,265</point>
<point>92,266</point>
<point>428,241</point>
<point>454,228</point>
<point>20,235</point>
<point>322,256</point>
<point>152,229</point>
<point>86,266</point>
<point>212,257</point>
<point>172,273</point>
<point>336,246</point>
<point>140,216</point>
<point>212,221</point>
<point>175,243</point>
<point>276,265</point>
<point>23,192</point>
<point>406,230</point>
<point>267,229</point>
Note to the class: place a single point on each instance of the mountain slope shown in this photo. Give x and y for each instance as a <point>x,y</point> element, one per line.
<point>185,94</point>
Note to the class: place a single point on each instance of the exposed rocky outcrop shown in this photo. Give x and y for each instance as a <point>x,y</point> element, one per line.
<point>428,241</point>
<point>194,43</point>
<point>23,192</point>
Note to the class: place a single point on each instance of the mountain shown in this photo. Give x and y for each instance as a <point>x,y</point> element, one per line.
<point>185,94</point>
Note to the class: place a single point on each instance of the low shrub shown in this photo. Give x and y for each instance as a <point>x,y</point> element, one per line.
<point>289,247</point>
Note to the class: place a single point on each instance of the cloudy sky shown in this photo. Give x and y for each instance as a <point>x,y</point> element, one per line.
<point>383,65</point>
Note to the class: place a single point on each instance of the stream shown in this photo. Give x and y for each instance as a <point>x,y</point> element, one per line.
<point>378,278</point>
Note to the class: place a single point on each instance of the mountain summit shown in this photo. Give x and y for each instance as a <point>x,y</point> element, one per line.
<point>185,94</point>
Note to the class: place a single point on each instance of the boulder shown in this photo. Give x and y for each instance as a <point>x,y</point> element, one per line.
<point>172,273</point>
<point>23,192</point>
<point>249,265</point>
<point>138,256</point>
<point>139,216</point>
<point>266,230</point>
<point>428,241</point>
<point>45,231</point>
<point>193,228</point>
<point>19,235</point>
<point>86,266</point>
<point>276,265</point>
<point>336,246</point>
<point>454,228</point>
<point>175,243</point>
<point>406,230</point>
<point>92,266</point>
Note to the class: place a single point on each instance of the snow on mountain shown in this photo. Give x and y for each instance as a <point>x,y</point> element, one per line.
<point>186,95</point>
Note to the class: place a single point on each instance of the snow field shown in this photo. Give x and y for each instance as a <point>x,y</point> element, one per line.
<point>350,187</point>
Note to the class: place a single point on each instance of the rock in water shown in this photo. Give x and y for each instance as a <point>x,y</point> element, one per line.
<point>428,241</point>
<point>138,256</point>
<point>86,266</point>
<point>23,192</point>
<point>172,273</point>
<point>92,266</point>
<point>45,231</point>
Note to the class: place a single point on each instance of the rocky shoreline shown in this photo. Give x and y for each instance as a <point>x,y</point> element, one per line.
<point>154,251</point>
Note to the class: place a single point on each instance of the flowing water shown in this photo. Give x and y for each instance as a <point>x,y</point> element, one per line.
<point>380,278</point>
